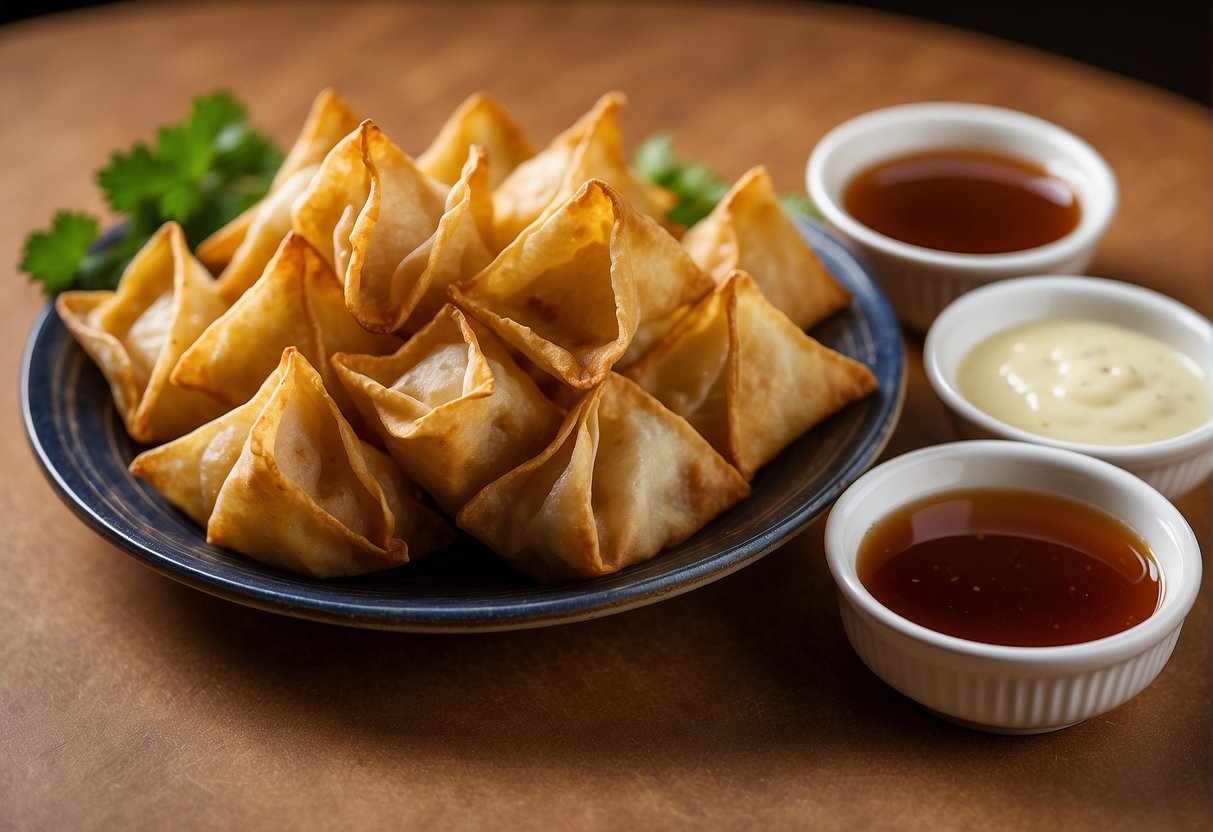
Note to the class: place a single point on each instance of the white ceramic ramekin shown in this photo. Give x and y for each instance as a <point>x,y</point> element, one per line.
<point>1020,690</point>
<point>921,281</point>
<point>1173,466</point>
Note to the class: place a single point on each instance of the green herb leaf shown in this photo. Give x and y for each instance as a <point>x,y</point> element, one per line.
<point>201,173</point>
<point>654,157</point>
<point>53,258</point>
<point>132,179</point>
<point>799,205</point>
<point>697,187</point>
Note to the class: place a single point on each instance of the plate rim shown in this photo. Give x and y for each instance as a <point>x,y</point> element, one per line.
<point>546,605</point>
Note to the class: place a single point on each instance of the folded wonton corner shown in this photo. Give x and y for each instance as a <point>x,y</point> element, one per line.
<point>394,275</point>
<point>592,148</point>
<point>747,378</point>
<point>135,334</point>
<point>749,230</point>
<point>570,293</point>
<point>623,479</point>
<point>284,480</point>
<point>479,120</point>
<point>329,120</point>
<point>298,302</point>
<point>395,236</point>
<point>451,406</point>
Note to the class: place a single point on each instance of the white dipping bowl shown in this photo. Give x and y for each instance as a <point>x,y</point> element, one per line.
<point>919,281</point>
<point>998,688</point>
<point>1173,466</point>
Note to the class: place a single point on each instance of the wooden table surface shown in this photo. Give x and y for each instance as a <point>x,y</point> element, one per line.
<point>128,701</point>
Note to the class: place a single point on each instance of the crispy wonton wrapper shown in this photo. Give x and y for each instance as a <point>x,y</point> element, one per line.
<point>451,406</point>
<point>135,335</point>
<point>623,479</point>
<point>479,120</point>
<point>379,221</point>
<point>325,213</point>
<point>329,119</point>
<point>271,221</point>
<point>590,149</point>
<point>297,302</point>
<point>747,378</point>
<point>424,529</point>
<point>749,230</point>
<point>284,480</point>
<point>570,294</point>
<point>391,276</point>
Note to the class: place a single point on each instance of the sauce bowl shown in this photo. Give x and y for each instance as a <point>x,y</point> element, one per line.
<point>999,688</point>
<point>921,281</point>
<point>1174,466</point>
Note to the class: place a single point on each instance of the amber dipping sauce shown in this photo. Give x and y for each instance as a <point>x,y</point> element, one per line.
<point>1010,567</point>
<point>970,202</point>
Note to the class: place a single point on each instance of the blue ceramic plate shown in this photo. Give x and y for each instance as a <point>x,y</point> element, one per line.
<point>80,441</point>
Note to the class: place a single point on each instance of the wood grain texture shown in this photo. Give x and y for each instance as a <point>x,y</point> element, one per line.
<point>130,702</point>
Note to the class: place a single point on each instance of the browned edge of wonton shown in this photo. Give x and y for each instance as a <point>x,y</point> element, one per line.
<point>623,479</point>
<point>749,230</point>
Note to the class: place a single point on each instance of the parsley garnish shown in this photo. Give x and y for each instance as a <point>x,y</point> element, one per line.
<point>697,186</point>
<point>202,173</point>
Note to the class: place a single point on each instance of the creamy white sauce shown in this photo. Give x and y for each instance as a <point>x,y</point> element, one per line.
<point>1086,381</point>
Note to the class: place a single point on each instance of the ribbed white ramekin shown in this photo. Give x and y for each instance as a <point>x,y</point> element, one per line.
<point>1174,466</point>
<point>997,687</point>
<point>920,281</point>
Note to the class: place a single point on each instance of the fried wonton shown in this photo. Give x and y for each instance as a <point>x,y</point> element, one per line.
<point>747,378</point>
<point>392,278</point>
<point>648,334</point>
<point>284,480</point>
<point>451,406</point>
<point>623,479</point>
<point>479,120</point>
<point>329,119</point>
<point>425,530</point>
<point>297,302</point>
<point>590,149</point>
<point>749,230</point>
<point>325,214</point>
<point>189,471</point>
<point>570,294</point>
<point>135,334</point>
<point>379,221</point>
<point>271,221</point>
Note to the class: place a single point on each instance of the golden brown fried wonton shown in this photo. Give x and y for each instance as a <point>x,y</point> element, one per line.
<point>385,227</point>
<point>749,230</point>
<point>571,292</point>
<point>284,480</point>
<point>297,302</point>
<point>392,278</point>
<point>329,119</point>
<point>451,406</point>
<point>479,120</point>
<point>135,334</point>
<point>623,479</point>
<point>590,149</point>
<point>747,378</point>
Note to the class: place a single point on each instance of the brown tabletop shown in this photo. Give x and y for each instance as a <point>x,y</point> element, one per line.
<point>128,701</point>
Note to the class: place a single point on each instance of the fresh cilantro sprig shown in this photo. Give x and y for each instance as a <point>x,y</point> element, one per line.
<point>201,172</point>
<point>697,187</point>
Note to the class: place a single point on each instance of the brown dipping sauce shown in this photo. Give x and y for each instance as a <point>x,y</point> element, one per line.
<point>971,202</point>
<point>1005,566</point>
